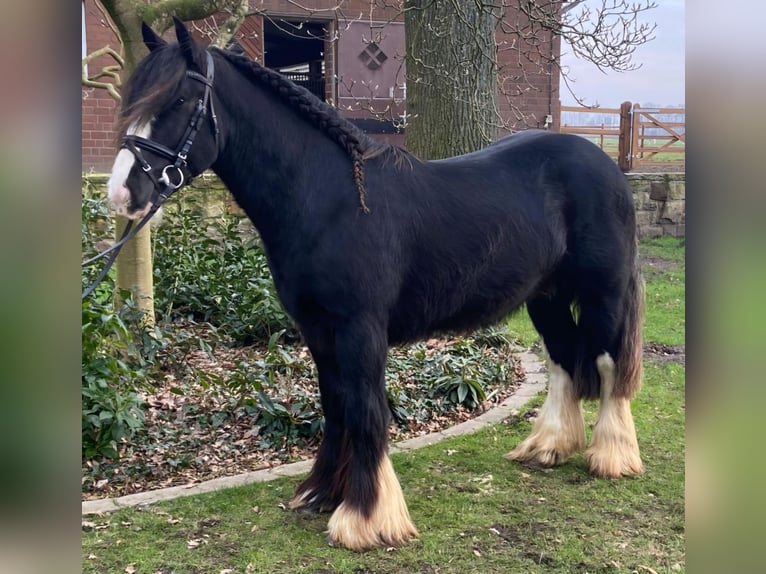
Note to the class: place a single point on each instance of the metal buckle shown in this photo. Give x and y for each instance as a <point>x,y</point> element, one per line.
<point>165,178</point>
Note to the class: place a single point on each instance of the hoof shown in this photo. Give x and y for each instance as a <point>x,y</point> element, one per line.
<point>609,467</point>
<point>610,457</point>
<point>545,450</point>
<point>388,524</point>
<point>349,529</point>
<point>310,503</point>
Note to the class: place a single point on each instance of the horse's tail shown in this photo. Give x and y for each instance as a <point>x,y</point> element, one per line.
<point>629,363</point>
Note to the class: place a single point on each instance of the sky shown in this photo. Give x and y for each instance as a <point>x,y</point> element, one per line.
<point>659,80</point>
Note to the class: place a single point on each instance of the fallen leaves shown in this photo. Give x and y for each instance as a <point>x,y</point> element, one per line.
<point>89,525</point>
<point>196,429</point>
<point>196,542</point>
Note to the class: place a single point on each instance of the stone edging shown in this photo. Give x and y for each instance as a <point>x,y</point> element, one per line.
<point>531,387</point>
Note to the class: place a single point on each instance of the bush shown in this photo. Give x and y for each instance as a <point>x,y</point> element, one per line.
<point>423,381</point>
<point>216,276</point>
<point>111,406</point>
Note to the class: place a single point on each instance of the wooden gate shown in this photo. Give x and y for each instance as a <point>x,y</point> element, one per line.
<point>657,140</point>
<point>642,138</point>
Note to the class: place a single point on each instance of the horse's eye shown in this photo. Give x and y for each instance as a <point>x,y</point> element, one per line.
<point>179,103</point>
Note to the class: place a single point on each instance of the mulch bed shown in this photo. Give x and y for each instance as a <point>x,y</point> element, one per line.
<point>200,434</point>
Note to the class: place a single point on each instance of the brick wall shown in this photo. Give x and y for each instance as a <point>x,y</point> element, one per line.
<point>529,83</point>
<point>98,107</point>
<point>535,93</point>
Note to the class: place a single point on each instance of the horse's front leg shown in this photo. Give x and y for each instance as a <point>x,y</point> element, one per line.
<point>373,512</point>
<point>322,491</point>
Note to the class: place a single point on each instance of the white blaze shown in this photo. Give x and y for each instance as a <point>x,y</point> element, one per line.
<point>119,196</point>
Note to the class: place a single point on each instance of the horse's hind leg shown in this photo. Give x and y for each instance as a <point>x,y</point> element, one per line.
<point>373,512</point>
<point>615,325</point>
<point>613,451</point>
<point>559,429</point>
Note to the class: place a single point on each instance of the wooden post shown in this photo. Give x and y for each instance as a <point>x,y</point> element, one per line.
<point>135,272</point>
<point>636,129</point>
<point>601,137</point>
<point>623,142</point>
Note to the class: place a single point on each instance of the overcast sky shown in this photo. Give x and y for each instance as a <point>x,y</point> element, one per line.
<point>660,80</point>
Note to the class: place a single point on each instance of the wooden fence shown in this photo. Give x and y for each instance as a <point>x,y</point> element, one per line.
<point>637,138</point>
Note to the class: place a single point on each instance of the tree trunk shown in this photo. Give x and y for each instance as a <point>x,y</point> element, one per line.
<point>135,271</point>
<point>134,263</point>
<point>451,77</point>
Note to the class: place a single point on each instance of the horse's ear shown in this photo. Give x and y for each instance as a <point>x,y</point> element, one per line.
<point>189,47</point>
<point>151,40</point>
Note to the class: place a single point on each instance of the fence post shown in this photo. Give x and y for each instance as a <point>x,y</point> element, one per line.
<point>624,140</point>
<point>637,142</point>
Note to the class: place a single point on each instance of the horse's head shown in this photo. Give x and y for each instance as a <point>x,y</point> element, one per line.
<point>167,123</point>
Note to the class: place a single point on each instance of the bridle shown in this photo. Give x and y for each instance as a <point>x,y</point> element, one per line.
<point>164,186</point>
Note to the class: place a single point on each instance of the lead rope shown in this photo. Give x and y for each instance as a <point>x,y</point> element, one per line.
<point>127,235</point>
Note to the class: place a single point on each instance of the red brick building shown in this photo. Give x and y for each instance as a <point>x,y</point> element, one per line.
<point>350,53</point>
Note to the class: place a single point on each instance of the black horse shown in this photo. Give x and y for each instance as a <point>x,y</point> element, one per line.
<point>371,247</point>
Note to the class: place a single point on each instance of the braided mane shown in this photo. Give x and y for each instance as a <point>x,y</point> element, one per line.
<point>350,138</point>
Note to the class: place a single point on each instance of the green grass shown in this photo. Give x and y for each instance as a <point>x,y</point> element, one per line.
<point>520,328</point>
<point>674,153</point>
<point>476,511</point>
<point>665,320</point>
<point>667,248</point>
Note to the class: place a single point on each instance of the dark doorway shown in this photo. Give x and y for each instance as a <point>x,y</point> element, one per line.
<point>296,49</point>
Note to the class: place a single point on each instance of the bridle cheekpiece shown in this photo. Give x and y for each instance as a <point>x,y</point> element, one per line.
<point>135,144</point>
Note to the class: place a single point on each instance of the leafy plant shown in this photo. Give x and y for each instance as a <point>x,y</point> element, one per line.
<point>422,381</point>
<point>461,375</point>
<point>111,407</point>
<point>97,231</point>
<point>217,276</point>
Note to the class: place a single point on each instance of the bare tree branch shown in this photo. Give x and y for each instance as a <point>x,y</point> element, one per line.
<point>569,5</point>
<point>160,14</point>
<point>112,72</point>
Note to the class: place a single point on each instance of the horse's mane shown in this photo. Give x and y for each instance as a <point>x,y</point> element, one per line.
<point>321,114</point>
<point>358,145</point>
<point>156,93</point>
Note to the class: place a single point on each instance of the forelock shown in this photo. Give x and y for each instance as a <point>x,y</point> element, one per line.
<point>151,87</point>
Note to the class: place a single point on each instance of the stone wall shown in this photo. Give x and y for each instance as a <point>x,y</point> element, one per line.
<point>660,203</point>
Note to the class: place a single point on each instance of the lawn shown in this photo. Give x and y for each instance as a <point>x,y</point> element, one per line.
<point>476,511</point>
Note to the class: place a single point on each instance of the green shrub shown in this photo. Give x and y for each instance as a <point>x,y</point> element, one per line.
<point>111,407</point>
<point>421,382</point>
<point>283,419</point>
<point>216,276</point>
